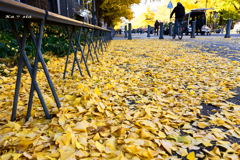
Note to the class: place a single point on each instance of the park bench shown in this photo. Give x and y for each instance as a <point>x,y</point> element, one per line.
<point>15,11</point>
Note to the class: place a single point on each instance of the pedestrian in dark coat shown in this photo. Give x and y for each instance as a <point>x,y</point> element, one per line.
<point>156,26</point>
<point>179,11</point>
<point>199,25</point>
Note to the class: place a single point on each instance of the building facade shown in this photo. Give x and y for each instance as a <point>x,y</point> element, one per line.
<point>63,7</point>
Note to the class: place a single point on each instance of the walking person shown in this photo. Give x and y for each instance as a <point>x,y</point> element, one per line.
<point>199,24</point>
<point>156,27</point>
<point>179,11</point>
<point>121,29</point>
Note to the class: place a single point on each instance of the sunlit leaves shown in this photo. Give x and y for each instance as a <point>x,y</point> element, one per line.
<point>142,102</point>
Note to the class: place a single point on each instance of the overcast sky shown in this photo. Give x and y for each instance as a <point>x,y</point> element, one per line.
<point>138,9</point>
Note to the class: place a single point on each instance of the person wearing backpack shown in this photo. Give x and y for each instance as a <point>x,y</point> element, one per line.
<point>156,26</point>
<point>179,11</point>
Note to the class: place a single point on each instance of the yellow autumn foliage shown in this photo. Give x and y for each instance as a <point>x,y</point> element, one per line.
<point>137,104</point>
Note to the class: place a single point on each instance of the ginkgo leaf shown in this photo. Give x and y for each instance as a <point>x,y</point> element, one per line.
<point>187,126</point>
<point>61,120</point>
<point>67,152</point>
<point>96,137</point>
<point>207,143</point>
<point>99,146</point>
<point>27,155</point>
<point>80,126</point>
<point>191,156</point>
<point>142,102</point>
<point>97,91</point>
<point>70,98</point>
<point>6,156</point>
<point>132,149</point>
<point>167,145</point>
<point>23,145</point>
<point>13,125</point>
<point>202,124</point>
<point>80,86</point>
<point>183,152</point>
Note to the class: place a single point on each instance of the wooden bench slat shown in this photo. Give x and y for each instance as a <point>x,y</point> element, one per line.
<point>13,7</point>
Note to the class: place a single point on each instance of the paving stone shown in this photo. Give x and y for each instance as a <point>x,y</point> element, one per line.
<point>237,90</point>
<point>207,109</point>
<point>234,100</point>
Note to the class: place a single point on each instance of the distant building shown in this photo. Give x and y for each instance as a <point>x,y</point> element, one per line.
<point>237,27</point>
<point>68,8</point>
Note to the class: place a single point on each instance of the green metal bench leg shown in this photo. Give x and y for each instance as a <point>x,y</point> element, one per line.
<point>83,57</point>
<point>75,52</point>
<point>85,42</point>
<point>21,46</point>
<point>104,41</point>
<point>24,57</point>
<point>75,55</point>
<point>69,48</point>
<point>92,42</point>
<point>38,48</point>
<point>97,42</point>
<point>101,41</point>
<point>45,69</point>
<point>89,46</point>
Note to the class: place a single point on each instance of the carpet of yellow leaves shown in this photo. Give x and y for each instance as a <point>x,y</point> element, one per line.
<point>143,102</point>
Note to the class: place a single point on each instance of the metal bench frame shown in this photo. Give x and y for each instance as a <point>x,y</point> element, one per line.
<point>43,17</point>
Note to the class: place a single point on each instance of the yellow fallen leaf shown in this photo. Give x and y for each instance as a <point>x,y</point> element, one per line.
<point>77,101</point>
<point>191,92</point>
<point>166,145</point>
<point>191,156</point>
<point>78,145</point>
<point>109,86</point>
<point>62,120</point>
<point>80,126</point>
<point>23,145</point>
<point>114,128</point>
<point>215,152</point>
<point>6,156</point>
<point>148,111</point>
<point>96,137</point>
<point>97,91</point>
<point>99,146</point>
<point>70,98</point>
<point>16,156</point>
<point>13,125</point>
<point>132,149</point>
<point>187,126</point>
<point>161,135</point>
<point>100,109</point>
<point>81,109</point>
<point>27,155</point>
<point>183,152</point>
<point>82,153</point>
<point>207,143</point>
<point>83,141</point>
<point>80,86</point>
<point>67,152</point>
<point>202,124</point>
<point>145,134</point>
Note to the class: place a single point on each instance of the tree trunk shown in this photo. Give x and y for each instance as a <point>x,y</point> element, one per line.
<point>108,21</point>
<point>210,17</point>
<point>221,18</point>
<point>43,4</point>
<point>99,12</point>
